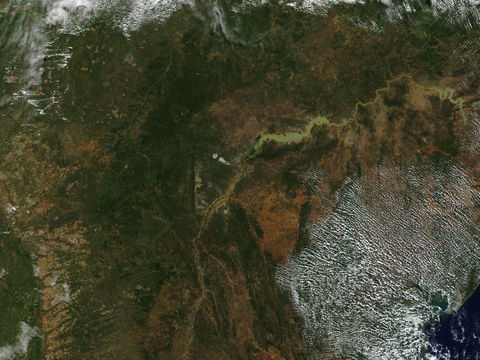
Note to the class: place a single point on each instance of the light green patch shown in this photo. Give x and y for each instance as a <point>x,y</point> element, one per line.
<point>296,137</point>
<point>290,137</point>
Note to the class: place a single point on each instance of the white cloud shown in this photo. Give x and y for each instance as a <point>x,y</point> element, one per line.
<point>27,333</point>
<point>60,11</point>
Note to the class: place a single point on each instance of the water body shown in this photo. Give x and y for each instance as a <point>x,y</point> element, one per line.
<point>289,137</point>
<point>457,336</point>
<point>376,271</point>
<point>28,30</point>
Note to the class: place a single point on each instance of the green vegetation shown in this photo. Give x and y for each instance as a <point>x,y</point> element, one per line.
<point>140,209</point>
<point>147,104</point>
<point>19,298</point>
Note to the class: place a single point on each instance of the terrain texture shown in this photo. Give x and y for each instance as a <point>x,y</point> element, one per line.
<point>306,189</point>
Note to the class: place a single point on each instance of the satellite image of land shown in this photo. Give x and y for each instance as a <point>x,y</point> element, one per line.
<point>240,179</point>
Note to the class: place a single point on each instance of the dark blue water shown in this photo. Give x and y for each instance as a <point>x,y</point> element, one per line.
<point>457,336</point>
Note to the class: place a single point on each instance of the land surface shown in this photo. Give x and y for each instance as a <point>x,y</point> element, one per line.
<point>145,244</point>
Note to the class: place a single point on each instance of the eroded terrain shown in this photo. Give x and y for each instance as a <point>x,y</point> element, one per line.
<point>155,229</point>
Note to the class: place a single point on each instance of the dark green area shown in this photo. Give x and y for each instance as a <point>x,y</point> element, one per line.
<point>19,298</point>
<point>139,210</point>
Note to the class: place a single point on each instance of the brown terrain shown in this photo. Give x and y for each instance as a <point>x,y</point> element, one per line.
<point>147,247</point>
